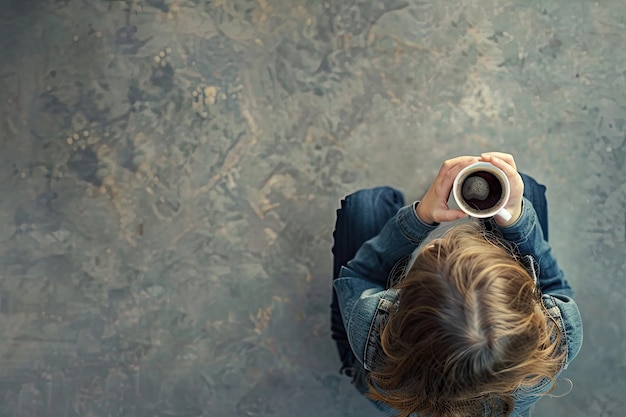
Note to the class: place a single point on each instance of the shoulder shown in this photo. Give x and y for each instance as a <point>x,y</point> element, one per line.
<point>564,309</point>
<point>364,307</point>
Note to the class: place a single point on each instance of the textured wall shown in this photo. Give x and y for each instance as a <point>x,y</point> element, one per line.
<point>169,172</point>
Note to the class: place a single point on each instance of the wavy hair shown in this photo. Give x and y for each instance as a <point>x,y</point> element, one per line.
<point>468,330</point>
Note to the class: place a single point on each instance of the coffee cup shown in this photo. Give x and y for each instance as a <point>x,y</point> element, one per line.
<point>482,190</point>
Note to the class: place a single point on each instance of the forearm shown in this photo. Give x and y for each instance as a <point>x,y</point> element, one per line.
<point>527,235</point>
<point>397,239</point>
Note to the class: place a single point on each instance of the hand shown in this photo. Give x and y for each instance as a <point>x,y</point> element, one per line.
<point>506,163</point>
<point>433,207</point>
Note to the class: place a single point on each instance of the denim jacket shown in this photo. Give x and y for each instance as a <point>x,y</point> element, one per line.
<point>365,300</point>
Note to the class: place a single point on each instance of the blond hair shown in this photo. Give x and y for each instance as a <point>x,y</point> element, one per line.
<point>469,328</point>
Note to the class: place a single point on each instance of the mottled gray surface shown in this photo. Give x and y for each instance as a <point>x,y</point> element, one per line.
<point>169,172</point>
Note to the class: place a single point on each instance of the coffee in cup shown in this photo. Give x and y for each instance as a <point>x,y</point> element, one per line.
<point>482,190</point>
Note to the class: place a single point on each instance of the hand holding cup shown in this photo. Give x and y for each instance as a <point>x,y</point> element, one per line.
<point>433,207</point>
<point>506,163</point>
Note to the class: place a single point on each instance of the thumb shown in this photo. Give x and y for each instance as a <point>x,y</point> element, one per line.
<point>451,215</point>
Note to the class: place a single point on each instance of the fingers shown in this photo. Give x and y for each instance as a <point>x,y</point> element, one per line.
<point>444,186</point>
<point>448,172</point>
<point>434,207</point>
<point>508,166</point>
<point>451,168</point>
<point>459,160</point>
<point>506,157</point>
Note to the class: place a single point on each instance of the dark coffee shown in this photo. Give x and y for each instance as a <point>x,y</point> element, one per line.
<point>484,199</point>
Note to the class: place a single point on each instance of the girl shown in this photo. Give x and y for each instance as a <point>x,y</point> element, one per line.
<point>477,322</point>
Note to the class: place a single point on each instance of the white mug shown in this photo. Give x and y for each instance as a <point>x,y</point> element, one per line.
<point>482,190</point>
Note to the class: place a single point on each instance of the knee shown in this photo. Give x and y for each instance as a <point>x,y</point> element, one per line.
<point>530,181</point>
<point>390,197</point>
<point>383,195</point>
<point>533,191</point>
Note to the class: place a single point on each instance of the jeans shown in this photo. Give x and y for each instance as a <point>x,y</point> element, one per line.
<point>361,217</point>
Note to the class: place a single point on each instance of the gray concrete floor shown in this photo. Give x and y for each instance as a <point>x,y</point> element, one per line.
<point>169,172</point>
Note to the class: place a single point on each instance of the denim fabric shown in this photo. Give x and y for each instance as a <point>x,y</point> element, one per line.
<point>361,217</point>
<point>374,232</point>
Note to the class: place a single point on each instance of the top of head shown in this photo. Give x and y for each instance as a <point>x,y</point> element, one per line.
<point>469,328</point>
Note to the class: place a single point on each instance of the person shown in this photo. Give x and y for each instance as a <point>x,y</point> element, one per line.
<point>477,320</point>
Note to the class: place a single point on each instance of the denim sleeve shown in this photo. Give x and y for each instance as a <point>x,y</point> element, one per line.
<point>358,300</point>
<point>362,281</point>
<point>526,234</point>
<point>571,324</point>
<point>400,236</point>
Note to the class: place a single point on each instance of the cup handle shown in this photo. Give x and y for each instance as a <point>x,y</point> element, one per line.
<point>504,215</point>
